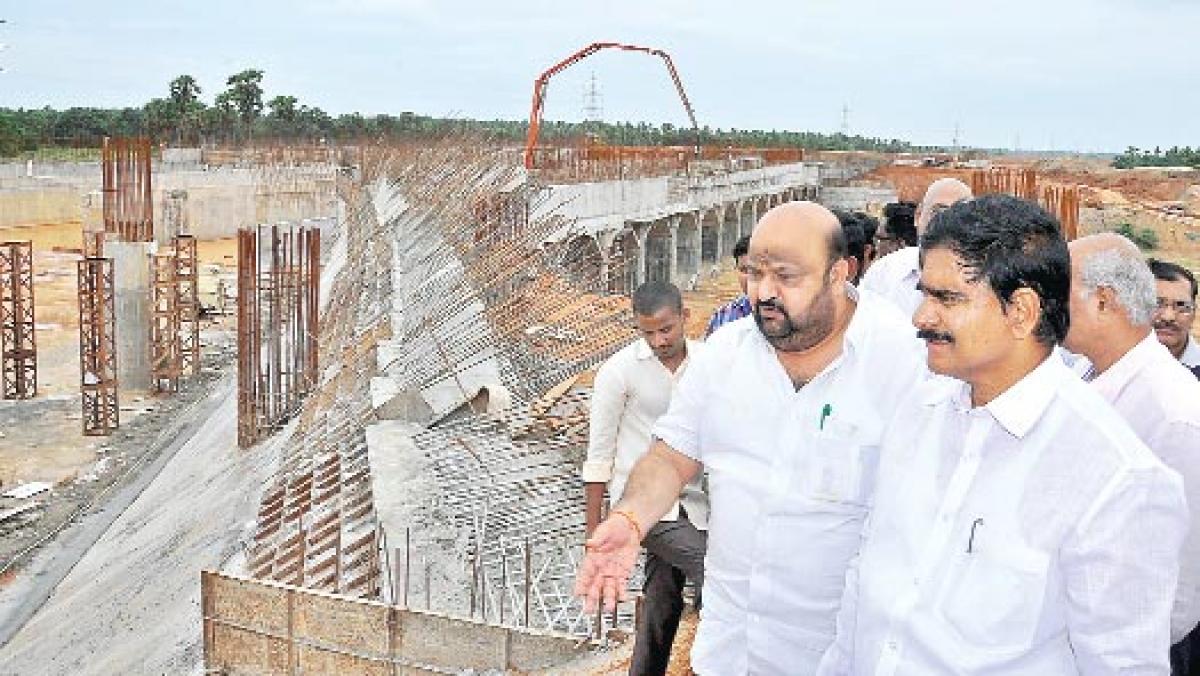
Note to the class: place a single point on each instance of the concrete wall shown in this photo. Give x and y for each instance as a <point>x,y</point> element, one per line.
<point>255,627</point>
<point>857,198</point>
<point>218,202</point>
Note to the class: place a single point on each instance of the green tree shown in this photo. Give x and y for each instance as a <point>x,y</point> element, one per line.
<point>245,93</point>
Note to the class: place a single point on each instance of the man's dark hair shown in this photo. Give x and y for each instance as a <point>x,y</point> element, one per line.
<point>1170,272</point>
<point>1011,243</point>
<point>651,297</point>
<point>900,221</point>
<point>741,247</point>
<point>855,234</point>
<point>838,245</point>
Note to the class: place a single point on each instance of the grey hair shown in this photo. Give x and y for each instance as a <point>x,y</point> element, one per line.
<point>1128,276</point>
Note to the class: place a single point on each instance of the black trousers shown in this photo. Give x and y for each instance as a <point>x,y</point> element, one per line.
<point>674,553</point>
<point>1185,655</point>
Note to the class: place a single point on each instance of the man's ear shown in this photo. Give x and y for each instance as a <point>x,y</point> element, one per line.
<point>1024,312</point>
<point>839,271</point>
<point>1106,299</point>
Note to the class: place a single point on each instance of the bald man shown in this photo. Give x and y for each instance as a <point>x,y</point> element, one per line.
<point>783,411</point>
<point>1112,311</point>
<point>895,275</point>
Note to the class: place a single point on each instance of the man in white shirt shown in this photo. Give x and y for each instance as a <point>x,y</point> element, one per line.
<point>784,410</point>
<point>895,275</point>
<point>1019,527</point>
<point>1176,311</point>
<point>632,389</point>
<point>1112,307</point>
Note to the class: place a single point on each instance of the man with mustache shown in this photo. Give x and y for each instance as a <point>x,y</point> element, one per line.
<point>784,412</point>
<point>1019,527</point>
<point>1176,311</point>
<point>632,389</point>
<point>895,275</point>
<point>1112,305</point>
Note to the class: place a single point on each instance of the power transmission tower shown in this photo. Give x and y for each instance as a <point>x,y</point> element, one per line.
<point>845,119</point>
<point>593,101</point>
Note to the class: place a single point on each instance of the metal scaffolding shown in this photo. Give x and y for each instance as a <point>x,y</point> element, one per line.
<point>278,283</point>
<point>128,199</point>
<point>97,347</point>
<point>165,360</point>
<point>188,301</point>
<point>18,343</point>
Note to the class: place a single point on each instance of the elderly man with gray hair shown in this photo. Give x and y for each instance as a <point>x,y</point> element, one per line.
<point>1112,310</point>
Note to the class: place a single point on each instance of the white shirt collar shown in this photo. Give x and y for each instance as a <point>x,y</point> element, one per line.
<point>1191,353</point>
<point>1019,407</point>
<point>643,352</point>
<point>1114,379</point>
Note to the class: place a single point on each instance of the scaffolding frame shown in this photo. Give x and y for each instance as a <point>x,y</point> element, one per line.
<point>165,358</point>
<point>98,347</point>
<point>127,191</point>
<point>18,340</point>
<point>188,300</point>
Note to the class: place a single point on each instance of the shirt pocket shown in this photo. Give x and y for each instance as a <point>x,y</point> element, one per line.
<point>839,467</point>
<point>995,596</point>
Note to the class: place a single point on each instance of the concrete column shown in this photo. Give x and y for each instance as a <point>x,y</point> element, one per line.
<point>131,281</point>
<point>673,255</point>
<point>720,255</point>
<point>639,274</point>
<point>699,237</point>
<point>174,218</point>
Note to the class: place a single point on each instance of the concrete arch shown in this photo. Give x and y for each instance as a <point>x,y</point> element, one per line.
<point>660,252</point>
<point>687,248</point>
<point>624,263</point>
<point>582,261</point>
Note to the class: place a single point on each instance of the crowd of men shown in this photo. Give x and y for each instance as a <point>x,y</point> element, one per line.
<point>950,443</point>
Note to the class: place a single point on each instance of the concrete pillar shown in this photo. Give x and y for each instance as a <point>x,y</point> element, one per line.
<point>174,218</point>
<point>131,281</point>
<point>673,254</point>
<point>720,256</point>
<point>639,270</point>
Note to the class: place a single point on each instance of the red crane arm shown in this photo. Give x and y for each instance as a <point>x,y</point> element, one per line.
<point>539,89</point>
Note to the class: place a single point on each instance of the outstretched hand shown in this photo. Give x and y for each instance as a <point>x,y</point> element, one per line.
<point>603,577</point>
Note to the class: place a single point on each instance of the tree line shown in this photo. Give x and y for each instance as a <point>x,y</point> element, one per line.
<point>1172,157</point>
<point>241,114</point>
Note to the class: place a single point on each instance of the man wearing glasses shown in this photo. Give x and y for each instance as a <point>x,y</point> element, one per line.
<point>895,275</point>
<point>1176,287</point>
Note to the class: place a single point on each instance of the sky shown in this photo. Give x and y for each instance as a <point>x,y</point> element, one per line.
<point>1086,75</point>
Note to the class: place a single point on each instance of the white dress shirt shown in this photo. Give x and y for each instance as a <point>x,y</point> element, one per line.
<point>1191,353</point>
<point>631,390</point>
<point>1034,535</point>
<point>895,277</point>
<point>1160,399</point>
<point>790,475</point>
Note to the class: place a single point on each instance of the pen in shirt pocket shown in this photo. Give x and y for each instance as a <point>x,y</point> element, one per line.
<point>826,411</point>
<point>971,540</point>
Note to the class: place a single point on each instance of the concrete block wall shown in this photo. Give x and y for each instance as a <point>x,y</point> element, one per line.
<point>257,626</point>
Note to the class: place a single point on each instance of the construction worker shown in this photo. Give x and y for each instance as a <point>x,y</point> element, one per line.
<point>632,389</point>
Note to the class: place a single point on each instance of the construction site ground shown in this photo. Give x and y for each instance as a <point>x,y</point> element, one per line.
<point>41,442</point>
